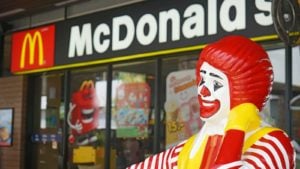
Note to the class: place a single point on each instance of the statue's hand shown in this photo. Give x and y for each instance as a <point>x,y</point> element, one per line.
<point>78,126</point>
<point>244,117</point>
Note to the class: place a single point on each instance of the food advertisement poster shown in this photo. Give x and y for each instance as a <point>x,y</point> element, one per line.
<point>132,103</point>
<point>181,106</point>
<point>6,123</point>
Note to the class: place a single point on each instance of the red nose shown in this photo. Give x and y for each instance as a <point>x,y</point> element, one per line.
<point>205,92</point>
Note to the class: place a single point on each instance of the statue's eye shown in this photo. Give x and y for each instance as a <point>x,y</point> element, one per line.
<point>202,81</point>
<point>217,85</point>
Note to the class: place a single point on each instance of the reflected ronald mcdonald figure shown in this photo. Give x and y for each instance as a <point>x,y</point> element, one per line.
<point>234,77</point>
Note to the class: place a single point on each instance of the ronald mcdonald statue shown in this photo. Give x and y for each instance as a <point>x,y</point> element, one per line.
<point>234,79</point>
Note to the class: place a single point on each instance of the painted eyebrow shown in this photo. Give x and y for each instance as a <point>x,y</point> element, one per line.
<point>215,75</point>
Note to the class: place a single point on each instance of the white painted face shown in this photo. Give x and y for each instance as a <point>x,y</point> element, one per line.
<point>213,93</point>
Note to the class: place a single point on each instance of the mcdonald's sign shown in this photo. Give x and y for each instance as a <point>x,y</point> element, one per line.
<point>33,49</point>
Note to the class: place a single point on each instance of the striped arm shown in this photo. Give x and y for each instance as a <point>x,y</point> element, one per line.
<point>272,151</point>
<point>164,160</point>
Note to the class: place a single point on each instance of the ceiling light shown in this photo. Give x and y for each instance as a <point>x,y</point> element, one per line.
<point>11,12</point>
<point>64,2</point>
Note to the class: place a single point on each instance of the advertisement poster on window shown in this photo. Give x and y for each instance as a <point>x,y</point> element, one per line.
<point>83,116</point>
<point>6,126</point>
<point>181,106</point>
<point>132,103</point>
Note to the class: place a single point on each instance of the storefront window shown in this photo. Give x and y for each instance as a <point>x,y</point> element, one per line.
<point>86,118</point>
<point>132,106</point>
<point>278,116</point>
<point>132,111</point>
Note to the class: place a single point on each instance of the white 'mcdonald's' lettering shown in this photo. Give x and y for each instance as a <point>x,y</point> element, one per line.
<point>80,42</point>
<point>239,21</point>
<point>263,18</point>
<point>165,26</point>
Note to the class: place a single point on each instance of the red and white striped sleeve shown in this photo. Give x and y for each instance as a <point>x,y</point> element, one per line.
<point>274,150</point>
<point>164,160</point>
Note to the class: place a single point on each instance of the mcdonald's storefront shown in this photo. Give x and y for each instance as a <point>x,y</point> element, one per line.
<point>109,89</point>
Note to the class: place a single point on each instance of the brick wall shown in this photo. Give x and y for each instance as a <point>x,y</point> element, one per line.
<point>13,94</point>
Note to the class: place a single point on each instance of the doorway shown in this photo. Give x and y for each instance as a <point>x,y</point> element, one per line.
<point>45,122</point>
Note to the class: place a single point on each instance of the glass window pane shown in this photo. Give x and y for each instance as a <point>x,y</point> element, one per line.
<point>274,112</point>
<point>47,121</point>
<point>86,118</point>
<point>180,98</point>
<point>132,106</point>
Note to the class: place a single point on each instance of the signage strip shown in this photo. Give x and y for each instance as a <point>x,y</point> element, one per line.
<point>125,33</point>
<point>136,56</point>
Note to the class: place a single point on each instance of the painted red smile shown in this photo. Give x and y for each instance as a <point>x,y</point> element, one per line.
<point>208,108</point>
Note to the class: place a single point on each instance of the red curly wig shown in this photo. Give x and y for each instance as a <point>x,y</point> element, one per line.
<point>247,66</point>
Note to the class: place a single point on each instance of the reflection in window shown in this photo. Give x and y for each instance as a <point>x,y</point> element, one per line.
<point>132,102</point>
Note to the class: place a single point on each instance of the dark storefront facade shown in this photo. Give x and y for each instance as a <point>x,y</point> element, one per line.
<point>109,89</point>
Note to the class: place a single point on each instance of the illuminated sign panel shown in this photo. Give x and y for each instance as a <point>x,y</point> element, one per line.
<point>124,33</point>
<point>33,49</point>
<point>159,26</point>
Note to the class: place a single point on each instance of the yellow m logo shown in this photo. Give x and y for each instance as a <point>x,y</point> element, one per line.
<point>87,84</point>
<point>31,41</point>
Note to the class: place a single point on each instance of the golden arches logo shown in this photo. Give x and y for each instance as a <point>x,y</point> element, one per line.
<point>31,41</point>
<point>87,84</point>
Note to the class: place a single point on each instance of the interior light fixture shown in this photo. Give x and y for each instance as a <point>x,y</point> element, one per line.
<point>11,12</point>
<point>64,2</point>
